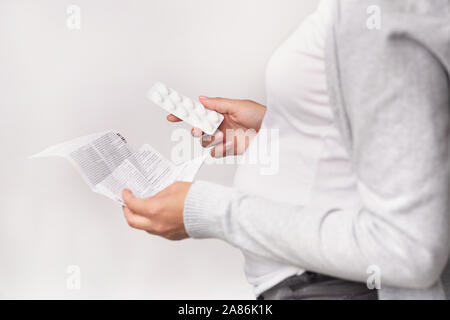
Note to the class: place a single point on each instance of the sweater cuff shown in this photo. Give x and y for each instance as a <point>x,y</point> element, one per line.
<point>205,208</point>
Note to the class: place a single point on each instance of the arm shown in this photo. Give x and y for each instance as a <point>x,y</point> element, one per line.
<point>397,107</point>
<point>398,113</point>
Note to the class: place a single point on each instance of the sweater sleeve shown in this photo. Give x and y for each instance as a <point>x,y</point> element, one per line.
<point>397,108</point>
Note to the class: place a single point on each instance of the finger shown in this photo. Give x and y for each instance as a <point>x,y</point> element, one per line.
<point>208,140</point>
<point>173,118</point>
<point>136,221</point>
<point>196,132</point>
<point>220,105</point>
<point>222,150</point>
<point>136,205</point>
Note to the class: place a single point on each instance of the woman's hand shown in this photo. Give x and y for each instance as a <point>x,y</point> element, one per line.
<point>162,214</point>
<point>242,121</point>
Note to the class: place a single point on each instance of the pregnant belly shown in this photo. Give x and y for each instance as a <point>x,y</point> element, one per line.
<point>292,161</point>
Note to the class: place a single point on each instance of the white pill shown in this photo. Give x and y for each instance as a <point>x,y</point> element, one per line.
<point>175,97</point>
<point>188,103</point>
<point>213,116</point>
<point>169,105</point>
<point>200,109</point>
<point>161,88</point>
<point>193,112</point>
<point>156,97</point>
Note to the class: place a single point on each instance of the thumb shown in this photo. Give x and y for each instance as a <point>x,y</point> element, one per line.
<point>221,105</point>
<point>136,205</point>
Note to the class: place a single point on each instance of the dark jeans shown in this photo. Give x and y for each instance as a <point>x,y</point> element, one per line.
<point>315,286</point>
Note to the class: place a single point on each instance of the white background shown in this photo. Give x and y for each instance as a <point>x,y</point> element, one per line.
<point>57,84</point>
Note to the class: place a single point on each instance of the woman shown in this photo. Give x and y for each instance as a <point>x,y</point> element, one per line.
<point>363,120</point>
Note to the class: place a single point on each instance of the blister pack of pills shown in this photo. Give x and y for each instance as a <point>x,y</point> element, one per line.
<point>193,112</point>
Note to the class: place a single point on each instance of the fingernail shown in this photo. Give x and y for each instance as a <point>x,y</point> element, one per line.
<point>196,132</point>
<point>203,98</point>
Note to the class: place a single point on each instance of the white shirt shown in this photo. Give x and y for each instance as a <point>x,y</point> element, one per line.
<point>310,147</point>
